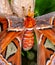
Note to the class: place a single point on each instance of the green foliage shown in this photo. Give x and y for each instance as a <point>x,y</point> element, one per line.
<point>44,6</point>
<point>30,55</point>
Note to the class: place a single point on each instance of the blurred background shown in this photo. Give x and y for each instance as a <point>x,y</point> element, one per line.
<point>44,6</point>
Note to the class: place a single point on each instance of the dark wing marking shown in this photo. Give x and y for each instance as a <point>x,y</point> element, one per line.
<point>15,23</point>
<point>43,22</point>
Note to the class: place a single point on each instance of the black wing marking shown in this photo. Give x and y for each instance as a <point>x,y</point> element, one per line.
<point>43,22</point>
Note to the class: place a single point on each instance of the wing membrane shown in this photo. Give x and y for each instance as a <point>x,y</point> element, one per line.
<point>45,21</point>
<point>15,23</point>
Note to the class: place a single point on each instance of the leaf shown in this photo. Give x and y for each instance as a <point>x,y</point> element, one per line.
<point>44,6</point>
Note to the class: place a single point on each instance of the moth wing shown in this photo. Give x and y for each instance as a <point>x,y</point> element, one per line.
<point>45,21</point>
<point>15,23</point>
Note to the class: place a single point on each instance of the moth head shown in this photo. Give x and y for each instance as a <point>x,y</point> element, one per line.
<point>29,22</point>
<point>30,13</point>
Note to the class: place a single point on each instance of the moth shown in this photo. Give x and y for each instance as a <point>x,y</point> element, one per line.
<point>43,26</point>
<point>25,24</point>
<point>28,25</point>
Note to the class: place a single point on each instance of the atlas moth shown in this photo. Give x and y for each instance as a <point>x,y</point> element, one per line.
<point>28,36</point>
<point>52,60</point>
<point>27,25</point>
